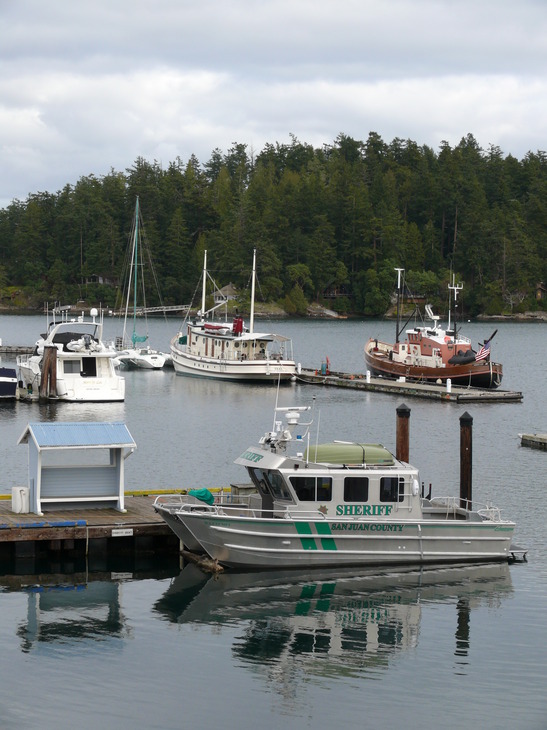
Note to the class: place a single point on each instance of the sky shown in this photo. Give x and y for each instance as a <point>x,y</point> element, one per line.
<point>89,86</point>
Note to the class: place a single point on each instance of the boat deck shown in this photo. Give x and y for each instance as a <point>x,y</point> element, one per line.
<point>456,394</point>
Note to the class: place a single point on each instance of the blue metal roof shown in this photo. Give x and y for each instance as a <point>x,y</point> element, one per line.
<point>47,435</point>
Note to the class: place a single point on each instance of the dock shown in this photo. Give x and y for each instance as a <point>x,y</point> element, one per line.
<point>454,394</point>
<point>534,440</point>
<point>85,532</point>
<point>15,350</point>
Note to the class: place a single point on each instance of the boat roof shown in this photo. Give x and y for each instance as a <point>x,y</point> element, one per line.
<point>246,336</point>
<point>339,454</point>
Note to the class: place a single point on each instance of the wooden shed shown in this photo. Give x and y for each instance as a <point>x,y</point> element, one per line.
<point>76,465</point>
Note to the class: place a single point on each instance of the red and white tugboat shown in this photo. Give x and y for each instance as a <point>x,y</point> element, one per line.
<point>431,354</point>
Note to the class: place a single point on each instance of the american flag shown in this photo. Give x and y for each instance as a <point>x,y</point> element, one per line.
<point>484,352</point>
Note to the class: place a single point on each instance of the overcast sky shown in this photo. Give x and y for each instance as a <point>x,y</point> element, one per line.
<point>87,86</point>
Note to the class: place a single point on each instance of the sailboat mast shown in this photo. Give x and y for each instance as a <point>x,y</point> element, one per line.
<point>398,325</point>
<point>252,317</point>
<point>135,264</point>
<point>204,284</point>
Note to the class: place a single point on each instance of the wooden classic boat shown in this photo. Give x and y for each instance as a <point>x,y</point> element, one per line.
<point>228,350</point>
<point>334,505</point>
<point>432,354</point>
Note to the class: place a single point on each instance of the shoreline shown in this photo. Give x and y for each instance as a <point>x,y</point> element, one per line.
<point>315,311</point>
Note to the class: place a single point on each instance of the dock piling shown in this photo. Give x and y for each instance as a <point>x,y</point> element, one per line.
<point>403,433</point>
<point>466,459</point>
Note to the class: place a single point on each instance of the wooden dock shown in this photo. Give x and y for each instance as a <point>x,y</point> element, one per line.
<point>83,532</point>
<point>456,394</point>
<point>534,440</point>
<point>15,350</point>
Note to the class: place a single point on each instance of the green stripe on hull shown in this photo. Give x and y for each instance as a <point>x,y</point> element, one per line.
<point>305,531</point>
<point>304,528</point>
<point>327,543</point>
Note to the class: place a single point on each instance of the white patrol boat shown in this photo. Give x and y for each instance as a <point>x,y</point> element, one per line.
<point>334,504</point>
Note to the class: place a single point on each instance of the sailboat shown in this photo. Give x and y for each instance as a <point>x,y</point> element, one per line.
<point>432,354</point>
<point>225,350</point>
<point>133,353</point>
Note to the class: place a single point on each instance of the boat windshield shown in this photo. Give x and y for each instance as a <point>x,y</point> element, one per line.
<point>270,482</point>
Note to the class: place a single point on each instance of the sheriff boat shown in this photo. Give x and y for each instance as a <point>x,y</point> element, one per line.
<point>333,504</point>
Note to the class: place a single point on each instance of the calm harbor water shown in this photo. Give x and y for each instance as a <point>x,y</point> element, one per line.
<point>156,646</point>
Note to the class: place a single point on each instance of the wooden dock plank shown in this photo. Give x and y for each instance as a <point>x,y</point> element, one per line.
<point>74,524</point>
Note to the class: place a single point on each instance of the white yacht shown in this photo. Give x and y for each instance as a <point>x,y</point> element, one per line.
<point>229,350</point>
<point>70,362</point>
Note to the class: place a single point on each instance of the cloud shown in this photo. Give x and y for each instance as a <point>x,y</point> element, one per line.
<point>89,87</point>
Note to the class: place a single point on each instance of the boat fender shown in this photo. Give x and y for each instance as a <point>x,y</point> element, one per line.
<point>415,488</point>
<point>462,358</point>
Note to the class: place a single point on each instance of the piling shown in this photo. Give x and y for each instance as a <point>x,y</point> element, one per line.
<point>48,382</point>
<point>466,460</point>
<point>403,432</point>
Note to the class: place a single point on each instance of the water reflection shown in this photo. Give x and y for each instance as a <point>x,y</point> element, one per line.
<point>68,608</point>
<point>356,621</point>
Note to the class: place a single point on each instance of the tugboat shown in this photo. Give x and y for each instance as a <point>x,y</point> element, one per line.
<point>431,354</point>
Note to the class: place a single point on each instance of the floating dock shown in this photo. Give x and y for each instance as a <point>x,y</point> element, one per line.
<point>454,394</point>
<point>138,530</point>
<point>534,440</point>
<point>15,350</point>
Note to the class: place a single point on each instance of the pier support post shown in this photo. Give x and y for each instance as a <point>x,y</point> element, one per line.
<point>403,431</point>
<point>466,460</point>
<point>48,382</point>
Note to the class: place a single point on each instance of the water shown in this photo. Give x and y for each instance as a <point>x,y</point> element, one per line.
<point>151,646</point>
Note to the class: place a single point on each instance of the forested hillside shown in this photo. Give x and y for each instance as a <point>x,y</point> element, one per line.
<point>329,225</point>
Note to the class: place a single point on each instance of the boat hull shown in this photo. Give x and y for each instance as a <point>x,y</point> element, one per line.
<point>8,383</point>
<point>181,531</point>
<point>266,371</point>
<point>262,543</point>
<point>487,375</point>
<point>72,388</point>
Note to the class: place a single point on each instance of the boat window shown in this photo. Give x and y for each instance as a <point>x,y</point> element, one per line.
<point>270,482</point>
<point>71,367</point>
<point>312,489</point>
<point>356,489</point>
<point>392,489</point>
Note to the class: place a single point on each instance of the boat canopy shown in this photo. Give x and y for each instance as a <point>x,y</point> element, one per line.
<point>269,337</point>
<point>354,454</point>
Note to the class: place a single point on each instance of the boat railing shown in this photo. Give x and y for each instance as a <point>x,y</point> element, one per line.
<point>228,505</point>
<point>451,508</point>
<point>179,499</point>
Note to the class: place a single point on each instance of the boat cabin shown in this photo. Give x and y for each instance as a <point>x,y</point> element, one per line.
<point>337,479</point>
